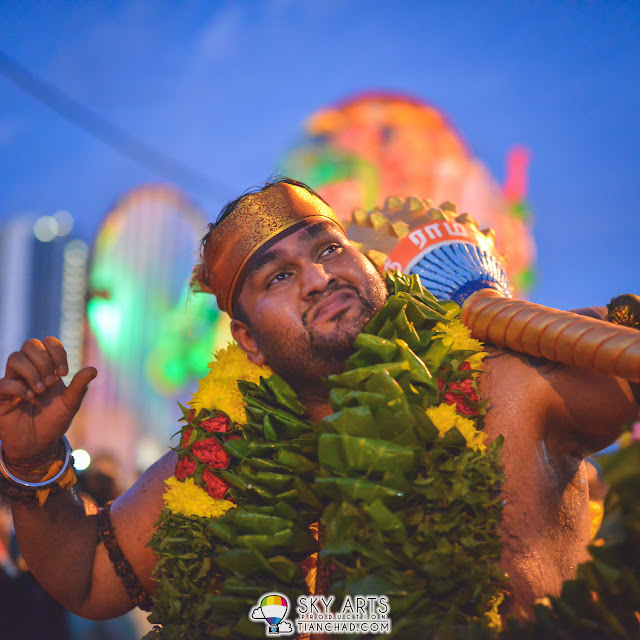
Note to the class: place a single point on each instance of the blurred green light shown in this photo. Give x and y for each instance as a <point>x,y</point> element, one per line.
<point>175,373</point>
<point>106,321</point>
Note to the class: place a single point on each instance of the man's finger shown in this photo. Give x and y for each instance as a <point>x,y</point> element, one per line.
<point>41,359</point>
<point>58,355</point>
<point>10,388</point>
<point>74,393</point>
<point>19,367</point>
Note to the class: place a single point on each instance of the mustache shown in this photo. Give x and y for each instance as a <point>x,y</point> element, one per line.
<point>330,291</point>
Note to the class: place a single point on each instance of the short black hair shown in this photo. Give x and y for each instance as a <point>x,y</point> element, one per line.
<point>229,208</point>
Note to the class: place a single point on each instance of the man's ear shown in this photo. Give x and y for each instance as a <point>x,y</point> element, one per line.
<point>243,336</point>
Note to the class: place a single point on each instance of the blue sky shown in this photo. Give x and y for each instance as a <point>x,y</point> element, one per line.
<point>225,87</point>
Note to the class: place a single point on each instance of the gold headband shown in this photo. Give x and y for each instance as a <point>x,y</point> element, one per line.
<point>260,218</point>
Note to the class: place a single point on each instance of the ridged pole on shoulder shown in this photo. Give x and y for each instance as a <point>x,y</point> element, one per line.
<point>560,336</point>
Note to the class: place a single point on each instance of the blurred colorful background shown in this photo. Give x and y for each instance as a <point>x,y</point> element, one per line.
<point>125,127</point>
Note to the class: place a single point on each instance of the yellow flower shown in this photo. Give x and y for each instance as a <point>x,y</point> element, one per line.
<point>219,388</point>
<point>189,499</point>
<point>445,417</point>
<point>457,336</point>
<point>495,621</point>
<point>476,361</point>
<point>596,511</point>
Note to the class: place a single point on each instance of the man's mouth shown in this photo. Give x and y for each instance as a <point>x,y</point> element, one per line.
<point>333,304</point>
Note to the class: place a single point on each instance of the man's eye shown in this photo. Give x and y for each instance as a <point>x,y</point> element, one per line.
<point>279,277</point>
<point>332,248</point>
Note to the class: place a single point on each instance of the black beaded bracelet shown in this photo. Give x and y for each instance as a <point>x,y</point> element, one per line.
<point>123,568</point>
<point>24,495</point>
<point>625,310</point>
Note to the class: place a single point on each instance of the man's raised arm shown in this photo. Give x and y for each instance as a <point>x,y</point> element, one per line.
<point>59,540</point>
<point>589,407</point>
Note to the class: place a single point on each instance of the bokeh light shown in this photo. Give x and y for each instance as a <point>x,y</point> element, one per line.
<point>81,459</point>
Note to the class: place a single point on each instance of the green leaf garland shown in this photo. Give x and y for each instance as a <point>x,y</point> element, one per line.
<point>411,513</point>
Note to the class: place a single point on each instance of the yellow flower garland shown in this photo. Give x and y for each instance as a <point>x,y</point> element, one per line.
<point>188,499</point>
<point>458,337</point>
<point>445,417</point>
<point>218,390</point>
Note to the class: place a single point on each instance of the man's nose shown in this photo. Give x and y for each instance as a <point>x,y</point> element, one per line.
<point>315,279</point>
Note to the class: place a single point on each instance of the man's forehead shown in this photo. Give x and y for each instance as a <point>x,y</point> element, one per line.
<point>316,229</point>
<point>281,249</point>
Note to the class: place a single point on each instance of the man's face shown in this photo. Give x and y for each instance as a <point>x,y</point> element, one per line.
<point>307,298</point>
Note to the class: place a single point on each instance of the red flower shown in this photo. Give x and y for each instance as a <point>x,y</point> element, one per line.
<point>211,453</point>
<point>458,392</point>
<point>192,415</point>
<point>227,438</point>
<point>185,468</point>
<point>449,397</point>
<point>465,386</point>
<point>465,409</point>
<point>217,423</point>
<point>216,487</point>
<point>184,441</point>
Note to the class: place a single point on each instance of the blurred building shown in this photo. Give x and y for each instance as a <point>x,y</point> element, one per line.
<point>43,273</point>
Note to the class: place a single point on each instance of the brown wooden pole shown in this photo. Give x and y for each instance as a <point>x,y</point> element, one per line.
<point>560,336</point>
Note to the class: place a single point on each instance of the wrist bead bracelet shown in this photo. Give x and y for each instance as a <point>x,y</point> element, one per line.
<point>28,497</point>
<point>33,494</point>
<point>35,464</point>
<point>44,483</point>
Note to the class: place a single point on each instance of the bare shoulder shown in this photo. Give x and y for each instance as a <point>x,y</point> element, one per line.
<point>514,384</point>
<point>511,373</point>
<point>579,411</point>
<point>134,513</point>
<point>147,492</point>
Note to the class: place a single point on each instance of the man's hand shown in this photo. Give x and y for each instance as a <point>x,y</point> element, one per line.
<point>36,407</point>
<point>60,541</point>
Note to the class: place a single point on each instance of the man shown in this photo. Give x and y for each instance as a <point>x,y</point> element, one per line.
<point>299,293</point>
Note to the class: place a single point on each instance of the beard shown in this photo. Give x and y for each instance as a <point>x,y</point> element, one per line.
<point>302,360</point>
